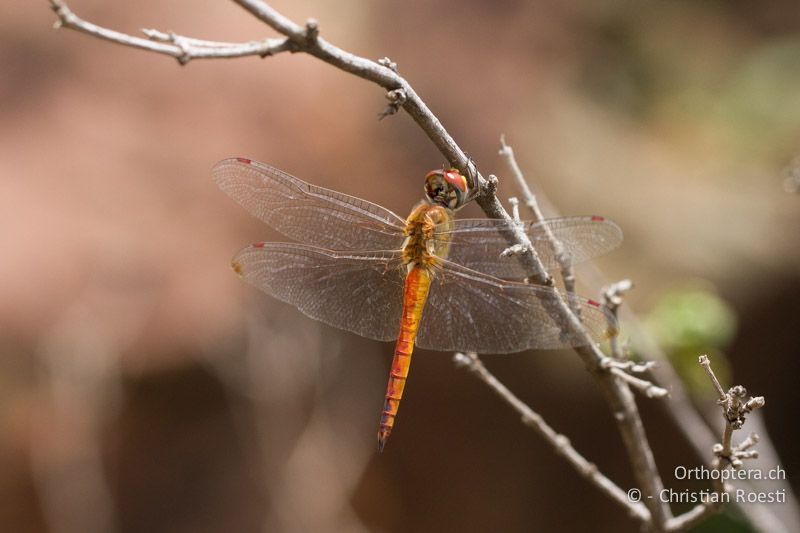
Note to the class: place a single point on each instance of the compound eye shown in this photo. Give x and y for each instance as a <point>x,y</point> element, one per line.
<point>447,188</point>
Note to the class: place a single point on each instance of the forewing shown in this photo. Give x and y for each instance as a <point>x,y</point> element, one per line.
<point>469,311</point>
<point>360,292</point>
<point>478,243</point>
<point>307,213</point>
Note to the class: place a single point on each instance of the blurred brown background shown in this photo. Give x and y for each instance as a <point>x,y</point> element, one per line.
<point>143,387</point>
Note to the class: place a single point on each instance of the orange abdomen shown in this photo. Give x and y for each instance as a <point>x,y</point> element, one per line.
<point>417,284</point>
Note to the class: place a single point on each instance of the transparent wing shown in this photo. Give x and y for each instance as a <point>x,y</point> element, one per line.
<point>306,213</point>
<point>469,311</point>
<point>360,292</point>
<point>478,243</point>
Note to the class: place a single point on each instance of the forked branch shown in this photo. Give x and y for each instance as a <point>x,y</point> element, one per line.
<point>559,442</point>
<point>306,39</point>
<point>184,49</point>
<point>736,405</point>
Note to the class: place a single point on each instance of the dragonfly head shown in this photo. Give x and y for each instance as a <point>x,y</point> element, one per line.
<point>446,187</point>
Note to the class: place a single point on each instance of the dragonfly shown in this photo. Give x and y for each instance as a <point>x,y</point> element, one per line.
<point>429,280</point>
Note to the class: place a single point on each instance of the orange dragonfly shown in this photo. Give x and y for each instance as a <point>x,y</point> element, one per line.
<point>431,280</point>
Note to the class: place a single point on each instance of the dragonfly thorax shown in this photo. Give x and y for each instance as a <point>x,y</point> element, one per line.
<point>424,245</point>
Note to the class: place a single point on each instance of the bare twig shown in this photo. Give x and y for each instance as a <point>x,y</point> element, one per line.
<point>614,385</point>
<point>514,249</point>
<point>612,299</point>
<point>559,442</point>
<point>514,201</point>
<point>695,429</point>
<point>564,261</point>
<point>618,364</point>
<point>631,366</point>
<point>735,406</point>
<point>184,49</point>
<point>306,39</point>
<point>706,364</point>
<point>645,387</point>
<point>697,433</point>
<point>396,99</point>
<point>377,72</point>
<point>527,194</point>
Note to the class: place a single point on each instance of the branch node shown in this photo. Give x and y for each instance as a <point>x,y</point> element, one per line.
<point>66,18</point>
<point>751,454</point>
<point>178,41</point>
<point>612,300</point>
<point>747,443</point>
<point>396,97</point>
<point>312,31</point>
<point>649,389</point>
<point>152,34</point>
<point>735,405</point>
<point>515,209</point>
<point>756,402</point>
<point>514,249</point>
<point>654,391</point>
<point>612,294</point>
<point>591,469</point>
<point>490,187</point>
<point>388,63</point>
<point>465,360</point>
<point>628,366</point>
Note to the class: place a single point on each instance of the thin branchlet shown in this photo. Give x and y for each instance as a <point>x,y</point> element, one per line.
<point>736,405</point>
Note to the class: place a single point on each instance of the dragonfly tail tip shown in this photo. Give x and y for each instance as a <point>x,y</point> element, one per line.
<point>383,436</point>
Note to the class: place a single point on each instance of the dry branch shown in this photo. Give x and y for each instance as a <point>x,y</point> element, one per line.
<point>735,407</point>
<point>401,95</point>
<point>559,442</point>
